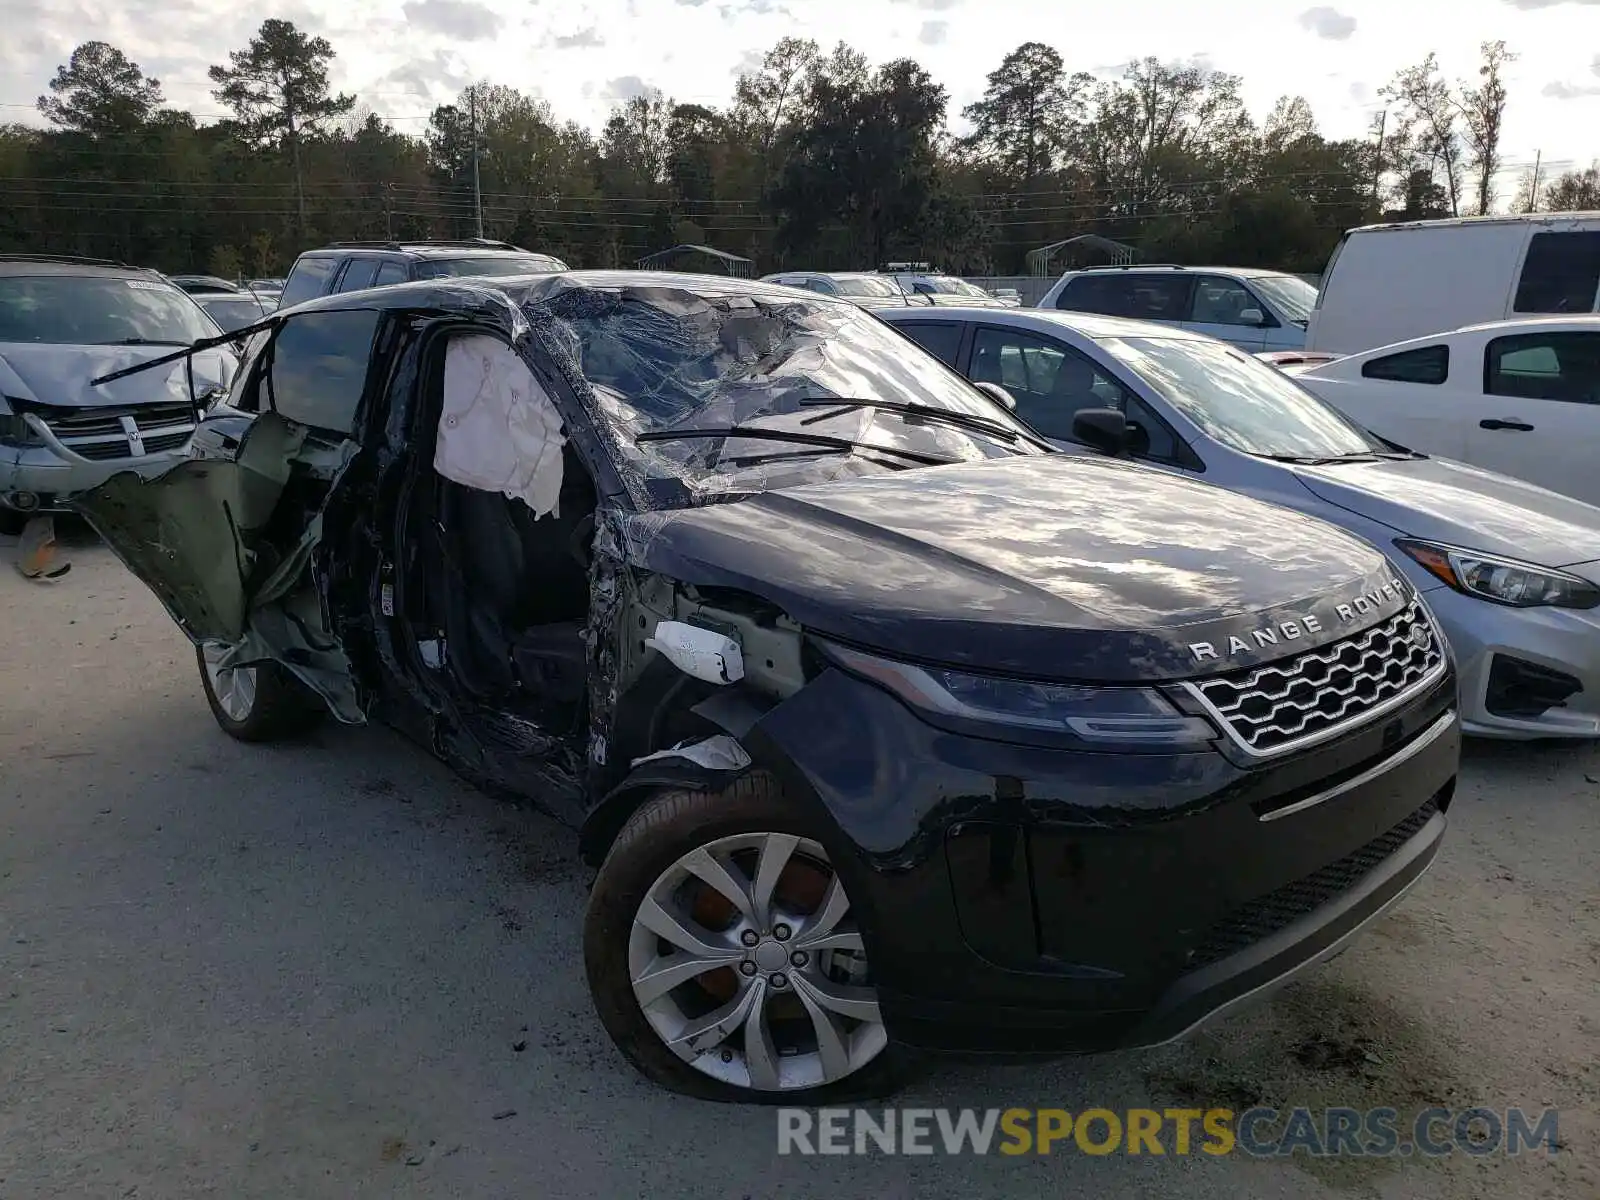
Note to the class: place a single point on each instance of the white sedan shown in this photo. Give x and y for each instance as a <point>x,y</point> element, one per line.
<point>1518,397</point>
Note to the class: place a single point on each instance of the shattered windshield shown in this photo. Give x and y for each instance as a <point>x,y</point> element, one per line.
<point>660,362</point>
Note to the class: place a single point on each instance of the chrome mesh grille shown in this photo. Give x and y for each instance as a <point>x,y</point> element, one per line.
<point>1318,694</point>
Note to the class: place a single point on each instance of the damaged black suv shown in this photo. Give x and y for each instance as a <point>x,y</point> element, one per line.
<point>885,726</point>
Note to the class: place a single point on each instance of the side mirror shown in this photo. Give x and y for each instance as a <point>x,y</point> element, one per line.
<point>1103,429</point>
<point>1252,316</point>
<point>998,394</point>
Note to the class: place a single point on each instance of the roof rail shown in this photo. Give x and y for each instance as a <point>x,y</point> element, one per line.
<point>78,259</point>
<point>464,243</point>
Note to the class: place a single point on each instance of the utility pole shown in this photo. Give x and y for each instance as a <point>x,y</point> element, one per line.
<point>1533,187</point>
<point>477,191</point>
<point>1377,160</point>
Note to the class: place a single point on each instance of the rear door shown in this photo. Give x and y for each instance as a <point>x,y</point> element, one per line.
<point>226,537</point>
<point>1149,295</point>
<point>1226,309</point>
<point>1421,396</point>
<point>1538,412</point>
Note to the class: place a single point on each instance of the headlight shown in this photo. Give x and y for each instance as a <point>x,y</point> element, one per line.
<point>1502,580</point>
<point>1109,717</point>
<point>15,431</point>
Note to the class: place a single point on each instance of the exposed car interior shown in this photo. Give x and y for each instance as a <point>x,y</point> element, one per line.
<point>506,587</point>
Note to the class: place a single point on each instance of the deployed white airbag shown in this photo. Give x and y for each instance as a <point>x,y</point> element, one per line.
<point>499,431</point>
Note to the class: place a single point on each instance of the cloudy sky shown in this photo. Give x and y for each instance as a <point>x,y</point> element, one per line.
<point>404,56</point>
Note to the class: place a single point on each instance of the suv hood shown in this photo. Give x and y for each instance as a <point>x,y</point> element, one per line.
<point>1446,501</point>
<point>60,375</point>
<point>1047,566</point>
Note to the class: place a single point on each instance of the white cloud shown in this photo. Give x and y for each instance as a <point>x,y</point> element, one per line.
<point>1558,89</point>
<point>584,39</point>
<point>625,87</point>
<point>933,33</point>
<point>464,19</point>
<point>1328,23</point>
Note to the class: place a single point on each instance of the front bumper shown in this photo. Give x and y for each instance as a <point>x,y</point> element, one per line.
<point>1026,901</point>
<point>1491,641</point>
<point>40,479</point>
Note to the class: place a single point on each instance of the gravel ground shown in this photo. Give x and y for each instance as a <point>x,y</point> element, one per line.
<point>332,969</point>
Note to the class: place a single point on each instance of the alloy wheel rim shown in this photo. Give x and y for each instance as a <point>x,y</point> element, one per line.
<point>233,687</point>
<point>746,961</point>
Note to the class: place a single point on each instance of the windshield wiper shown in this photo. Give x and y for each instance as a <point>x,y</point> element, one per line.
<point>1319,460</point>
<point>928,412</point>
<point>188,351</point>
<point>790,435</point>
<point>139,341</point>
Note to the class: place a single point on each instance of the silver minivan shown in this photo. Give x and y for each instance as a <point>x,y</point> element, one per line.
<point>1250,308</point>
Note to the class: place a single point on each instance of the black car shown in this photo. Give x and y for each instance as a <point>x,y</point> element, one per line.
<point>884,725</point>
<point>351,266</point>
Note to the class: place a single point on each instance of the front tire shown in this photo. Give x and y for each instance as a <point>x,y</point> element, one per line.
<point>723,956</point>
<point>258,703</point>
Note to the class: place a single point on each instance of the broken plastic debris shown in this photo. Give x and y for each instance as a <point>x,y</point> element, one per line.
<point>701,653</point>
<point>719,753</point>
<point>36,550</point>
<point>499,431</point>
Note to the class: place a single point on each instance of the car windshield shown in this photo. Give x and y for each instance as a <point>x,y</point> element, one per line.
<point>859,286</point>
<point>1241,401</point>
<point>487,264</point>
<point>98,310</point>
<point>1293,296</point>
<point>658,360</point>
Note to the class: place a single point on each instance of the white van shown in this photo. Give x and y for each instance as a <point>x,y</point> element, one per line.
<point>1388,283</point>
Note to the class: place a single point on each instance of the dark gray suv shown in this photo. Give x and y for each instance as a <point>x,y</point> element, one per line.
<point>351,266</point>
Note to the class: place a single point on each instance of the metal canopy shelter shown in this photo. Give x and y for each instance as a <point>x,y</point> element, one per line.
<point>705,259</point>
<point>1042,260</point>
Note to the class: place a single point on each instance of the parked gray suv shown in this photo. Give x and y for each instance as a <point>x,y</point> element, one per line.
<point>351,266</point>
<point>64,324</point>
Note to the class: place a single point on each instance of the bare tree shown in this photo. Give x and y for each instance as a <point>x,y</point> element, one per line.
<point>769,98</point>
<point>1483,110</point>
<point>1426,115</point>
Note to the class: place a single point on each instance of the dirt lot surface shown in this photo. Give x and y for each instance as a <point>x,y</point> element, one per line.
<point>333,970</point>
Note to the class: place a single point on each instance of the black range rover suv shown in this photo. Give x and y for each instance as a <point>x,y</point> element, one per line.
<point>884,726</point>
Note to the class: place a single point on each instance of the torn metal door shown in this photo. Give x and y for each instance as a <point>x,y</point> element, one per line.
<point>207,537</point>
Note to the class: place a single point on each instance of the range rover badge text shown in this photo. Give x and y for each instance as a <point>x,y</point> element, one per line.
<point>1307,625</point>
